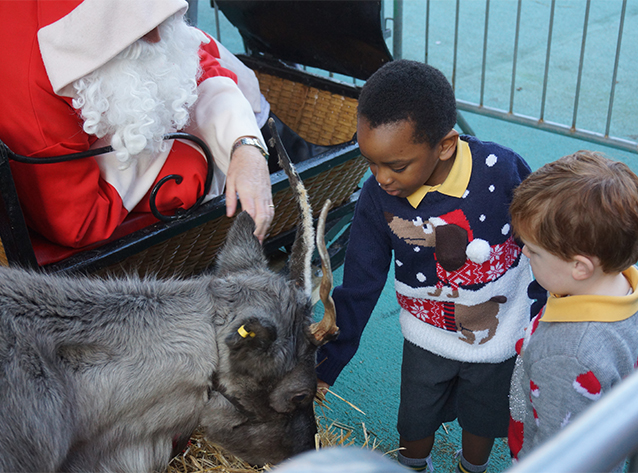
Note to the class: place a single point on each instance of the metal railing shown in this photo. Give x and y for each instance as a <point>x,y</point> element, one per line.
<point>534,63</point>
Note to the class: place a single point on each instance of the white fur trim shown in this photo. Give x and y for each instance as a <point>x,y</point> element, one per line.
<point>94,33</point>
<point>131,183</point>
<point>478,251</point>
<point>134,182</point>
<point>437,221</point>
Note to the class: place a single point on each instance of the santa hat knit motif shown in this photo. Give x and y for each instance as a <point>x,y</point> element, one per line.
<point>588,385</point>
<point>478,251</point>
<point>533,388</point>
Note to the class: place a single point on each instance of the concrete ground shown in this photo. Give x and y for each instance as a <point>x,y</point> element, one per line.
<point>371,380</point>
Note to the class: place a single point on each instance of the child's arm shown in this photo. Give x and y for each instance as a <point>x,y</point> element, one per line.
<point>366,267</point>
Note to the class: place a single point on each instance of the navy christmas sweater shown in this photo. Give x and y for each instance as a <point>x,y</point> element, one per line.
<point>460,277</point>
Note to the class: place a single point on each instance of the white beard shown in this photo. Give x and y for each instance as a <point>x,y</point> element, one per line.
<point>144,92</point>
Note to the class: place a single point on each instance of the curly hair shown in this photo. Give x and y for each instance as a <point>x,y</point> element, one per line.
<point>582,204</point>
<point>410,90</point>
<point>144,92</point>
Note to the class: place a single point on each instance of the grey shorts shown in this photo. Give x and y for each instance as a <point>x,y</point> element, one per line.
<point>436,390</point>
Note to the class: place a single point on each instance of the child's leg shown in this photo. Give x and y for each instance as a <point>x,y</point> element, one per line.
<point>416,448</point>
<point>483,411</point>
<point>416,454</point>
<point>428,398</point>
<point>476,450</point>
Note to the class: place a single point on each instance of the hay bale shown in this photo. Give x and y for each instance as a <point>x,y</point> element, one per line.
<point>203,456</point>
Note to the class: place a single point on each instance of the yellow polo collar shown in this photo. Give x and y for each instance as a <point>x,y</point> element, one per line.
<point>457,180</point>
<point>594,308</point>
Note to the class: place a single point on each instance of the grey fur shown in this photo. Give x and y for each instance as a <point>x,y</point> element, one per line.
<point>104,375</point>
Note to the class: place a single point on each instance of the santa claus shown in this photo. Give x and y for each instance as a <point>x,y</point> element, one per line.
<point>80,75</point>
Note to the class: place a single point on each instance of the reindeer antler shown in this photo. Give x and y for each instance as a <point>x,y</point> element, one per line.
<point>300,261</point>
<point>327,328</point>
<point>302,249</point>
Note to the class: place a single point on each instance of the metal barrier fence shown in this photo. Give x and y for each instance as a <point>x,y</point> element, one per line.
<point>565,66</point>
<point>598,440</point>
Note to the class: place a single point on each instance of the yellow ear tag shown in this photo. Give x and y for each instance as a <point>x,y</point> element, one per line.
<point>244,333</point>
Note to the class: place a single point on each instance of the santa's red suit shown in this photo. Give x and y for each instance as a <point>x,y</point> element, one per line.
<point>49,44</point>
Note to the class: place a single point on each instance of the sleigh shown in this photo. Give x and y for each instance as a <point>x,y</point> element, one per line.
<point>340,37</point>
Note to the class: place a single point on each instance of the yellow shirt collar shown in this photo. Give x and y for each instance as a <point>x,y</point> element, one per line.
<point>457,180</point>
<point>594,308</point>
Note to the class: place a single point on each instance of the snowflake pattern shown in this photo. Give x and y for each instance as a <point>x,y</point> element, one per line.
<point>429,311</point>
<point>502,257</point>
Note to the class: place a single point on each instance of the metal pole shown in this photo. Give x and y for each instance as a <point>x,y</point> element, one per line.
<point>613,80</point>
<point>427,29</point>
<point>549,48</point>
<point>217,27</point>
<point>515,57</point>
<point>580,64</point>
<point>456,43</point>
<point>487,20</point>
<point>397,37</point>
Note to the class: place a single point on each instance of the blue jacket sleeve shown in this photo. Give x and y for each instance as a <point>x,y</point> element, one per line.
<point>366,267</point>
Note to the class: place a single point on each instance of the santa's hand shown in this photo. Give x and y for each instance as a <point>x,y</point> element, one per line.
<point>248,178</point>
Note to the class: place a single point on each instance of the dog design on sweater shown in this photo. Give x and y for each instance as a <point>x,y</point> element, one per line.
<point>460,260</point>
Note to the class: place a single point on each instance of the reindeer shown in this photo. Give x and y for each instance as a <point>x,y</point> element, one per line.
<point>115,374</point>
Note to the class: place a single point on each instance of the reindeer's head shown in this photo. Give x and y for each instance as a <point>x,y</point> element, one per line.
<point>261,400</point>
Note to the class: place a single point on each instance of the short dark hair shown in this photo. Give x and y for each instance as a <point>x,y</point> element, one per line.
<point>582,204</point>
<point>410,90</point>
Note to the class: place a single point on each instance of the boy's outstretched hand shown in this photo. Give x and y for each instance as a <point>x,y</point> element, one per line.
<point>322,387</point>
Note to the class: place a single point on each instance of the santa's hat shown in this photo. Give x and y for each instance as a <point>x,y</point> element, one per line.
<point>79,37</point>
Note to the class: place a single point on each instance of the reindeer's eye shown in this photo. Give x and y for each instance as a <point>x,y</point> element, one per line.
<point>299,398</point>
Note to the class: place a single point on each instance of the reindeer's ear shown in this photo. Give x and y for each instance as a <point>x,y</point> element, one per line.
<point>241,251</point>
<point>253,334</point>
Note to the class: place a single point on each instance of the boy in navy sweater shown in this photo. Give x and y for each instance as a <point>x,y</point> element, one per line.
<point>437,208</point>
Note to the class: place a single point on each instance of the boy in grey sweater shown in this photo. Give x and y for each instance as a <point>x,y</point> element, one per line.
<point>578,219</point>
